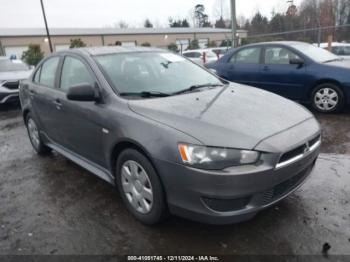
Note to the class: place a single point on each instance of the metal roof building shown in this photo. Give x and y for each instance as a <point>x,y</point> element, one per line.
<point>14,41</point>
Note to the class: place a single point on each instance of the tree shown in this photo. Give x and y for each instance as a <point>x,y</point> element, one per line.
<point>146,44</point>
<point>194,45</point>
<point>220,23</point>
<point>226,43</point>
<point>201,18</point>
<point>185,23</point>
<point>178,23</point>
<point>259,24</point>
<point>33,55</point>
<point>122,25</point>
<point>212,44</point>
<point>76,42</point>
<point>173,47</point>
<point>148,24</point>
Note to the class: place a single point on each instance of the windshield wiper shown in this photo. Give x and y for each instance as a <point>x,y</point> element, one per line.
<point>333,60</point>
<point>145,94</point>
<point>195,87</point>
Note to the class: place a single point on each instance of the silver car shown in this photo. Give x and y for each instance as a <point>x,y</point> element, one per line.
<point>11,73</point>
<point>170,135</point>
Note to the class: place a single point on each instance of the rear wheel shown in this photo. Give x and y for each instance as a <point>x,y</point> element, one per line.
<point>328,98</point>
<point>34,136</point>
<point>140,187</point>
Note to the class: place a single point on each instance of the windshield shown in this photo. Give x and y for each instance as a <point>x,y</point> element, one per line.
<point>341,50</point>
<point>153,72</point>
<point>315,53</point>
<point>7,65</point>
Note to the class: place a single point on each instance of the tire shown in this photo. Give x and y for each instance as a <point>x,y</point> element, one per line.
<point>327,98</point>
<point>34,136</point>
<point>141,189</point>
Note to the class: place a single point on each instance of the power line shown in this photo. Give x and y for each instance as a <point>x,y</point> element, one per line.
<point>298,31</point>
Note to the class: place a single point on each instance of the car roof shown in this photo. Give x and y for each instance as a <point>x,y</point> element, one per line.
<point>198,50</point>
<point>286,43</point>
<point>104,50</point>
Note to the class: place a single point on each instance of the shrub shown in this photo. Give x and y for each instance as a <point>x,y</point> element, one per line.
<point>33,55</point>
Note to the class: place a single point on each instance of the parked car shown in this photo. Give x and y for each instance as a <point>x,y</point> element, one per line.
<point>295,70</point>
<point>201,56</point>
<point>170,135</point>
<point>220,51</point>
<point>339,49</point>
<point>11,72</point>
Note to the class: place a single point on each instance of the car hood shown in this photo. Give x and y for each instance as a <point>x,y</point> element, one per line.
<point>15,75</point>
<point>342,64</point>
<point>237,116</point>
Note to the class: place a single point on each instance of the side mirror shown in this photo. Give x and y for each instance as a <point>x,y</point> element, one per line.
<point>296,61</point>
<point>83,93</point>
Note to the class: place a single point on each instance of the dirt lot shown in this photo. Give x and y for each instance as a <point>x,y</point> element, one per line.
<point>51,206</point>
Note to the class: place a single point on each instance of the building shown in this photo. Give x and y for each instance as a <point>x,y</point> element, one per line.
<point>14,41</point>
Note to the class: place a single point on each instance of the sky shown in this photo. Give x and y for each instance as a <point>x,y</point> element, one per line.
<point>107,13</point>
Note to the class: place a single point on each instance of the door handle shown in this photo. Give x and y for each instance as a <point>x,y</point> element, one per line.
<point>266,68</point>
<point>32,92</point>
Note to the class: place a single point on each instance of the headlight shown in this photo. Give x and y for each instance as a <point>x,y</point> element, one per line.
<point>213,158</point>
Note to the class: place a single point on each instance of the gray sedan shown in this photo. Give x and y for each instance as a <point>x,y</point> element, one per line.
<point>170,135</point>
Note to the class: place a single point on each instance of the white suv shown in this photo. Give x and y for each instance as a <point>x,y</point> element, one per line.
<point>201,56</point>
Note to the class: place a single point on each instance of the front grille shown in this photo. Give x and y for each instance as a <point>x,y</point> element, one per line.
<point>13,85</point>
<point>314,140</point>
<point>293,153</point>
<point>285,187</point>
<point>298,152</point>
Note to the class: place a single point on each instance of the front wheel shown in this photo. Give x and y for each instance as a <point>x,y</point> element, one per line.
<point>140,187</point>
<point>328,98</point>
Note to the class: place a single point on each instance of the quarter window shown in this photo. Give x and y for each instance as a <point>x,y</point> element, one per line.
<point>279,55</point>
<point>74,72</point>
<point>48,72</point>
<point>247,56</point>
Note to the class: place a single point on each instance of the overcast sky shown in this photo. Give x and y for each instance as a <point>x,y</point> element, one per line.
<point>102,13</point>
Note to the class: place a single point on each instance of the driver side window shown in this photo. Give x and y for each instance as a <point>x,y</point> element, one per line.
<point>75,72</point>
<point>247,56</point>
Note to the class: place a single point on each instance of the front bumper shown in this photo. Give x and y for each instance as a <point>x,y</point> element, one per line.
<point>8,96</point>
<point>233,195</point>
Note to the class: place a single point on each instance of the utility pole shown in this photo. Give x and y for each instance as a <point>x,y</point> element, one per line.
<point>47,29</point>
<point>319,33</point>
<point>233,22</point>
